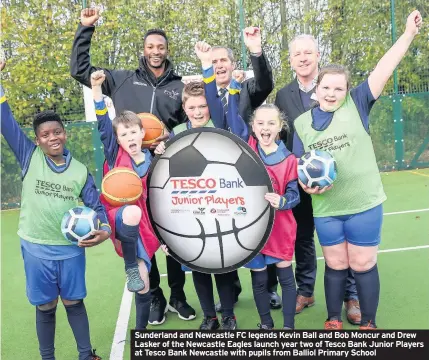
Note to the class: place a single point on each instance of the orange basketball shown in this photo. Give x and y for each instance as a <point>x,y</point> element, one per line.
<point>121,186</point>
<point>152,126</point>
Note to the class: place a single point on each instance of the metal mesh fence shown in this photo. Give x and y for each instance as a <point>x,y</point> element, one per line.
<point>84,144</point>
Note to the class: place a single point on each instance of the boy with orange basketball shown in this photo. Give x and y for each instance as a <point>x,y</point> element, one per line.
<point>132,233</point>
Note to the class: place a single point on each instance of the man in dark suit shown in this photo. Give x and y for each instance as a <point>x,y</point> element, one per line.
<point>295,99</point>
<point>254,92</point>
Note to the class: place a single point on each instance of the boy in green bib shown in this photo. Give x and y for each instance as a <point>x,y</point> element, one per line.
<point>348,215</point>
<point>53,182</point>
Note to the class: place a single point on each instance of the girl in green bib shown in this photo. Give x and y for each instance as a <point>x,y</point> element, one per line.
<point>348,215</point>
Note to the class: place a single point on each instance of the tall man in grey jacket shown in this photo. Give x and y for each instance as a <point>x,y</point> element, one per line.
<point>153,87</point>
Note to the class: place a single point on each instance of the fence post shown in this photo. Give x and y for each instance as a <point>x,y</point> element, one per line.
<point>98,155</point>
<point>243,46</point>
<point>398,123</point>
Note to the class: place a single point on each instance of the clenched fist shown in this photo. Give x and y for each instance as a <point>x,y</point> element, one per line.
<point>97,78</point>
<point>253,39</point>
<point>414,23</point>
<point>89,16</point>
<point>204,53</point>
<point>239,76</point>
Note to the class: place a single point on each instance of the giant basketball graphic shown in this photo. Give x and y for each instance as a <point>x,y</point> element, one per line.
<point>206,200</point>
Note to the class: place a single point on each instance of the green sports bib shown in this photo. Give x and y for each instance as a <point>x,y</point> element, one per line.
<point>46,196</point>
<point>358,186</point>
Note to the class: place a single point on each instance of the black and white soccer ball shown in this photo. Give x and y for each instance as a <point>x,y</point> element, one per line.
<point>78,223</point>
<point>206,200</point>
<point>317,168</point>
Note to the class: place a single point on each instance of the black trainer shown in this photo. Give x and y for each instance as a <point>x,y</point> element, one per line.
<point>210,323</point>
<point>182,308</point>
<point>158,308</point>
<point>229,323</point>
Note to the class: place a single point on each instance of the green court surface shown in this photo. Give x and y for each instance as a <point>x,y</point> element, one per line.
<point>404,302</point>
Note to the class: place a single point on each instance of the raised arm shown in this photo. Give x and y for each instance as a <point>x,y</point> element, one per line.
<point>105,126</point>
<point>80,61</point>
<point>213,100</point>
<point>203,52</point>
<point>261,85</point>
<point>234,120</point>
<point>385,67</point>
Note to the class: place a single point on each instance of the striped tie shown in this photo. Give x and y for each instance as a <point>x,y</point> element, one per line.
<point>222,95</point>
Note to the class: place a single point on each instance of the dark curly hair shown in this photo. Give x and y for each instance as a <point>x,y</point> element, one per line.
<point>156,32</point>
<point>45,116</point>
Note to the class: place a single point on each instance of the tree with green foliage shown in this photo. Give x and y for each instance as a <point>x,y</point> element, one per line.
<point>37,37</point>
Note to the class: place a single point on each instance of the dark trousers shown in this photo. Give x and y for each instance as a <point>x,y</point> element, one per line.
<point>305,252</point>
<point>175,276</point>
<point>176,280</point>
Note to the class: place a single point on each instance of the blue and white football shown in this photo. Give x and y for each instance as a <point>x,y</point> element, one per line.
<point>317,168</point>
<point>78,223</point>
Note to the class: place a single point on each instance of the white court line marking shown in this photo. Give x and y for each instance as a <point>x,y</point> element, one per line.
<point>405,212</point>
<point>379,251</point>
<point>121,331</point>
<point>404,249</point>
